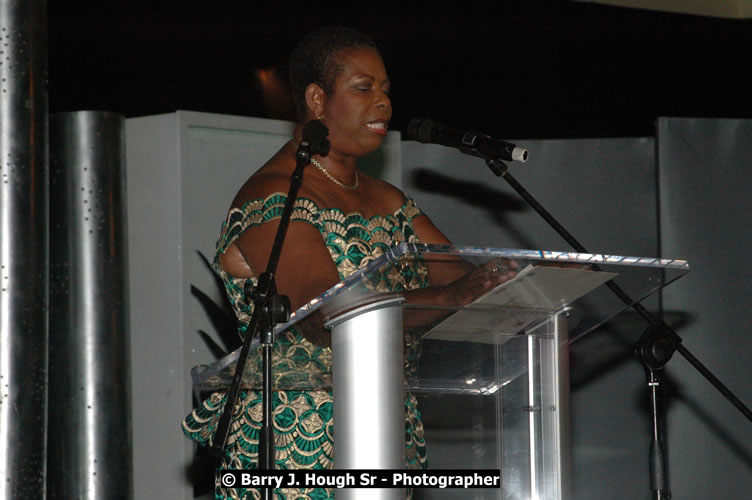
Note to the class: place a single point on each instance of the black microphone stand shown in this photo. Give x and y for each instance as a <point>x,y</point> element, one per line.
<point>654,349</point>
<point>269,310</point>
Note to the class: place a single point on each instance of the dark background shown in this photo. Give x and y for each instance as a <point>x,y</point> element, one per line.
<point>514,68</point>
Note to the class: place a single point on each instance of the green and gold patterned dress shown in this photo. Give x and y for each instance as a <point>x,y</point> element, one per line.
<point>303,419</point>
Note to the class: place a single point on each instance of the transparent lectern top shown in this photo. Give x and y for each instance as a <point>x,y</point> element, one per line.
<point>454,341</point>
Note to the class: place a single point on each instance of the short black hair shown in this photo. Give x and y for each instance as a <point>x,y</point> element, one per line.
<point>313,61</point>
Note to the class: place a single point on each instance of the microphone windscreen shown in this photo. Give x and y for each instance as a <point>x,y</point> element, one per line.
<point>315,132</point>
<point>420,129</point>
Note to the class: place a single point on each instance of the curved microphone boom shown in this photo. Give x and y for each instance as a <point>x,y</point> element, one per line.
<point>469,142</point>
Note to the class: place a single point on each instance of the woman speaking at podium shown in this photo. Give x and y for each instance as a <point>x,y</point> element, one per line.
<point>342,220</point>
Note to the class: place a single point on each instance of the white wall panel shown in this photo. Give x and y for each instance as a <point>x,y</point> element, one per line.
<point>183,171</point>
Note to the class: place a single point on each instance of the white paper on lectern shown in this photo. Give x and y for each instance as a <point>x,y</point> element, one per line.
<point>534,294</point>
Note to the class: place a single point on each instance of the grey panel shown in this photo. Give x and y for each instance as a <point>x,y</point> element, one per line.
<point>604,192</point>
<point>601,190</point>
<point>160,452</point>
<point>705,185</point>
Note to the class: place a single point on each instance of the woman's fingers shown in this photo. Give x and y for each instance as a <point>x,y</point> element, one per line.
<point>500,270</point>
<point>483,278</point>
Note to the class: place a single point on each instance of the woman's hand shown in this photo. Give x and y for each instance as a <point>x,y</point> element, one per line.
<point>468,287</point>
<point>477,282</point>
<point>454,281</point>
<point>455,294</point>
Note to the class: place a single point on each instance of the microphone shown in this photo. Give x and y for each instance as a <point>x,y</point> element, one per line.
<point>472,143</point>
<point>314,133</point>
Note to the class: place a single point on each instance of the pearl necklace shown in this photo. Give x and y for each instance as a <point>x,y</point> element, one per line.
<point>326,172</point>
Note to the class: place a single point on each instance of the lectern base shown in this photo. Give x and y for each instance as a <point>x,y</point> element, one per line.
<point>369,393</point>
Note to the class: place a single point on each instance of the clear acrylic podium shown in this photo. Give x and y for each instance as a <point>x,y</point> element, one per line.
<point>510,348</point>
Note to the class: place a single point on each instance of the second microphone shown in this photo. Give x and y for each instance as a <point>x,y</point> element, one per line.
<point>473,143</point>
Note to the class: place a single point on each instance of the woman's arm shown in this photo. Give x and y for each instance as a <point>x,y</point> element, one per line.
<point>305,268</point>
<point>454,281</point>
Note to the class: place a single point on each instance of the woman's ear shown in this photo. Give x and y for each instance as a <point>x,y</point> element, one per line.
<point>315,97</point>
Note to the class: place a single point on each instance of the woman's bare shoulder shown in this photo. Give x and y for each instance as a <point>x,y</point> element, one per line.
<point>391,196</point>
<point>273,177</point>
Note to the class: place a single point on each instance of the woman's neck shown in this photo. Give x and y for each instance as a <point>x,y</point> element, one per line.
<point>341,166</point>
